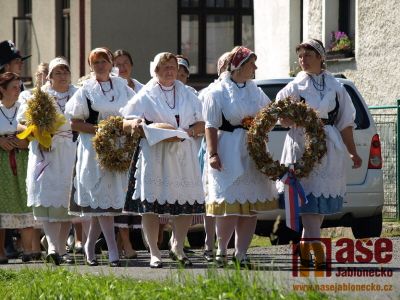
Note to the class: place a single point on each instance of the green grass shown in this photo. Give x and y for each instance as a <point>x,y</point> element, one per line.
<point>391,229</point>
<point>63,284</point>
<point>260,241</point>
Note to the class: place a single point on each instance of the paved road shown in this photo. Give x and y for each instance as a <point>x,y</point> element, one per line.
<point>275,263</point>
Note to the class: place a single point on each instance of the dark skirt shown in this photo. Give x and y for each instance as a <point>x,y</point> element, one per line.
<point>137,206</point>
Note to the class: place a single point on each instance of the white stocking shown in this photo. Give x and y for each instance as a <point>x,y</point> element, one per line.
<point>93,235</point>
<point>107,226</point>
<point>209,226</point>
<point>181,227</point>
<point>225,227</point>
<point>245,228</point>
<point>151,223</point>
<point>52,231</point>
<point>63,236</point>
<point>311,226</point>
<point>85,230</point>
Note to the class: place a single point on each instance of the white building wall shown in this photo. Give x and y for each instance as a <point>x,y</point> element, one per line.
<point>44,44</point>
<point>276,33</point>
<point>375,68</point>
<point>141,27</point>
<point>7,8</point>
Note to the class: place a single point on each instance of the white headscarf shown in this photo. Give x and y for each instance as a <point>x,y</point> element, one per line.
<point>58,61</point>
<point>317,46</point>
<point>155,62</point>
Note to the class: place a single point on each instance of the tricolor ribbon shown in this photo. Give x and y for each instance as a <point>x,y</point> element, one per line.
<point>294,199</point>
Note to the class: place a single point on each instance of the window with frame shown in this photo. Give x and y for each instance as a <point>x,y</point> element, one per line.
<point>22,36</point>
<point>340,28</point>
<point>209,28</point>
<point>65,30</point>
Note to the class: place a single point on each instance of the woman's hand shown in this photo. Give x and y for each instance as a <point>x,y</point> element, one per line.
<point>7,144</point>
<point>20,144</point>
<point>172,139</point>
<point>134,127</point>
<point>348,140</point>
<point>190,131</point>
<point>357,161</point>
<point>196,130</point>
<point>82,126</point>
<point>215,162</point>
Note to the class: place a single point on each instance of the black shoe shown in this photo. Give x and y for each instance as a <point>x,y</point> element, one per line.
<point>221,260</point>
<point>115,264</point>
<point>306,263</point>
<point>12,255</point>
<point>244,263</point>
<point>99,246</point>
<point>208,255</point>
<point>172,255</point>
<point>321,266</point>
<point>53,258</point>
<point>156,265</point>
<point>184,261</point>
<point>26,258</point>
<point>36,256</point>
<point>187,250</point>
<point>92,263</point>
<point>68,260</point>
<point>3,261</point>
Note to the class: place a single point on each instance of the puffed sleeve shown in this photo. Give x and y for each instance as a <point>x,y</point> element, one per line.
<point>347,112</point>
<point>134,108</point>
<point>198,107</point>
<point>290,90</point>
<point>212,112</point>
<point>76,107</point>
<point>263,98</point>
<point>24,96</point>
<point>21,112</point>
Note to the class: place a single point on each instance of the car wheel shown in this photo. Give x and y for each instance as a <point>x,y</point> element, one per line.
<point>196,238</point>
<point>367,227</point>
<point>137,239</point>
<point>284,235</point>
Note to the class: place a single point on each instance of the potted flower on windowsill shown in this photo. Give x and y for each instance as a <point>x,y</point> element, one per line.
<point>341,46</point>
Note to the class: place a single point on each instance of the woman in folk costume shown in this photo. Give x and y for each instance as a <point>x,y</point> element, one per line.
<point>99,193</point>
<point>50,170</point>
<point>209,221</point>
<point>326,185</point>
<point>236,190</point>
<point>124,62</point>
<point>168,179</point>
<point>40,79</point>
<point>14,212</point>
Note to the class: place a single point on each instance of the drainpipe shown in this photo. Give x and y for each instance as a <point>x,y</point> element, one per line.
<point>81,38</point>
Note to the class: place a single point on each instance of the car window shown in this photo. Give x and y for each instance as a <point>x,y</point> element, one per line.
<point>361,120</point>
<point>271,90</point>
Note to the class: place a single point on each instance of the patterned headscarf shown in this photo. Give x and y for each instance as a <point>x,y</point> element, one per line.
<point>240,56</point>
<point>317,46</point>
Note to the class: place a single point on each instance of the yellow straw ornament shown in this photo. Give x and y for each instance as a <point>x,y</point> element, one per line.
<point>42,118</point>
